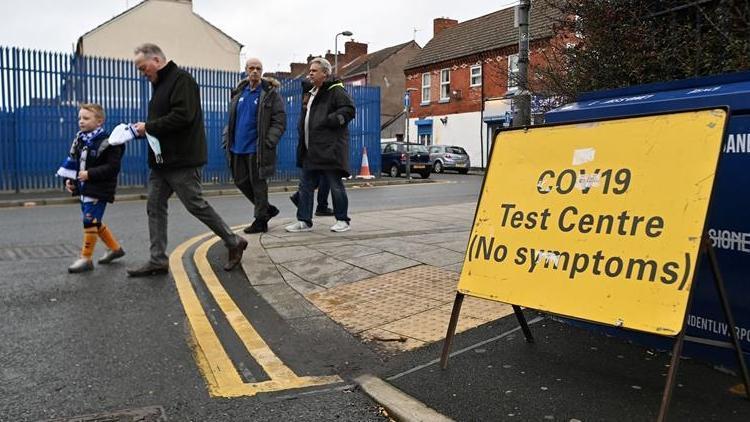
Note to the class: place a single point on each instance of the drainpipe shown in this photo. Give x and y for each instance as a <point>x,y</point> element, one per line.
<point>523,96</point>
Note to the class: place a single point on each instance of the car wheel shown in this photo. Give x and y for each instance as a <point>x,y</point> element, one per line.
<point>425,174</point>
<point>393,171</point>
<point>463,171</point>
<point>438,167</point>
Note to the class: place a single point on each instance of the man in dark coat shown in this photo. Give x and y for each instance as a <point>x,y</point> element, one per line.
<point>175,118</point>
<point>256,122</point>
<point>323,149</point>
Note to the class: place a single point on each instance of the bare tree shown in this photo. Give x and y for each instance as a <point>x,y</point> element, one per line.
<point>603,44</point>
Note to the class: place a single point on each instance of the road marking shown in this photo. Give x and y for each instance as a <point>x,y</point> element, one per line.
<point>213,361</point>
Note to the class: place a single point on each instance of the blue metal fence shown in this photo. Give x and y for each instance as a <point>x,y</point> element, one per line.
<point>40,91</point>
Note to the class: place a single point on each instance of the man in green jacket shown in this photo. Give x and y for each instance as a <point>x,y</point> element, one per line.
<point>175,118</point>
<point>256,122</point>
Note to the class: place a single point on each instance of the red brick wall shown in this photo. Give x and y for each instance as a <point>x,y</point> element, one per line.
<point>495,81</point>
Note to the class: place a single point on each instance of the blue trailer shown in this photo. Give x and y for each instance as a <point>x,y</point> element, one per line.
<point>729,215</point>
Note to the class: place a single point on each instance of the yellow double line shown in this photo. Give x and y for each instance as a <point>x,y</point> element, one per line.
<point>221,375</point>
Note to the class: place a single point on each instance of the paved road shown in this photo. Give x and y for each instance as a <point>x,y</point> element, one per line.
<point>98,342</point>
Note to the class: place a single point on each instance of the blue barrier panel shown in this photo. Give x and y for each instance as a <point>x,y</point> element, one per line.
<point>728,225</point>
<point>40,91</point>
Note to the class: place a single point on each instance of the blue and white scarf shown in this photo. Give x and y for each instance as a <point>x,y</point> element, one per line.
<point>73,163</point>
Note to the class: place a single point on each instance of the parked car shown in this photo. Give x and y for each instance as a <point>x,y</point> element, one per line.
<point>393,159</point>
<point>449,157</point>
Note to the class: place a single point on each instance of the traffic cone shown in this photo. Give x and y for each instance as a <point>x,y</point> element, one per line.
<point>364,171</point>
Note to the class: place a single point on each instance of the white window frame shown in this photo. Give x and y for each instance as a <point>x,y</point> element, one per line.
<point>512,72</point>
<point>443,83</point>
<point>478,76</point>
<point>426,87</point>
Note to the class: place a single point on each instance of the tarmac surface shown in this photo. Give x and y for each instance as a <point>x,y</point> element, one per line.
<point>330,307</point>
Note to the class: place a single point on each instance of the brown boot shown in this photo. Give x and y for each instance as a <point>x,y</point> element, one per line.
<point>235,254</point>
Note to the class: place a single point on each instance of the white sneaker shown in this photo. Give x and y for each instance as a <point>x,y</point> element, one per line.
<point>298,227</point>
<point>340,226</point>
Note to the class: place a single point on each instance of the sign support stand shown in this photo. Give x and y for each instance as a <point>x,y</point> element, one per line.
<point>454,322</point>
<point>677,350</point>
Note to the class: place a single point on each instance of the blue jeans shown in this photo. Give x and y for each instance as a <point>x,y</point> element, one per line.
<point>338,194</point>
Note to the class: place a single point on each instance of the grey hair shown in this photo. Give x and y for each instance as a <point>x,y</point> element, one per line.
<point>324,64</point>
<point>150,50</point>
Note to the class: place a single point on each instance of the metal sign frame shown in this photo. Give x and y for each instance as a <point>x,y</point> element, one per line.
<point>706,249</point>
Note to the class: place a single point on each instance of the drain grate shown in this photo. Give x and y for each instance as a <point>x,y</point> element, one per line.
<point>33,252</point>
<point>145,414</point>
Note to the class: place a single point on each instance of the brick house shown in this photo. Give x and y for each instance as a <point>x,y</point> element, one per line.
<point>385,69</point>
<point>186,37</point>
<point>462,82</point>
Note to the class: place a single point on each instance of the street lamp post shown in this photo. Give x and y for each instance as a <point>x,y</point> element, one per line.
<point>407,106</point>
<point>336,49</point>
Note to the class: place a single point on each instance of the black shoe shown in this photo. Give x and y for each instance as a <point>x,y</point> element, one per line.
<point>149,269</point>
<point>324,212</point>
<point>235,255</point>
<point>272,212</point>
<point>258,226</point>
<point>295,199</point>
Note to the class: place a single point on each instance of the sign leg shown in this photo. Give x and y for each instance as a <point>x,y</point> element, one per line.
<point>719,283</point>
<point>522,322</point>
<point>451,330</point>
<point>671,376</point>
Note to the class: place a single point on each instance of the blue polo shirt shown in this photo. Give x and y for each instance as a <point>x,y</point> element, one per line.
<point>246,122</point>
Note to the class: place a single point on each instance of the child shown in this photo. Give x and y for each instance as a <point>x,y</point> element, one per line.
<point>95,165</point>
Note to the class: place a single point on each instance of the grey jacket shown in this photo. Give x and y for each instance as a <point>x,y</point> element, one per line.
<point>271,125</point>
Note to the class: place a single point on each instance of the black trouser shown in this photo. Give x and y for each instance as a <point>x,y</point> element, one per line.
<point>249,182</point>
<point>186,183</point>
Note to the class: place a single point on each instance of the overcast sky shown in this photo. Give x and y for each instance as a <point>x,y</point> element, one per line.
<point>278,32</point>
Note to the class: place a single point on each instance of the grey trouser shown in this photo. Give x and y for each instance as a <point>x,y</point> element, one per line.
<point>186,183</point>
<point>248,181</point>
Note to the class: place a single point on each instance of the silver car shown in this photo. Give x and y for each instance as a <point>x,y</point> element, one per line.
<point>449,157</point>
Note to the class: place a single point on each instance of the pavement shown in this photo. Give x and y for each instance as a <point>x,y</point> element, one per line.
<point>391,281</point>
<point>136,193</point>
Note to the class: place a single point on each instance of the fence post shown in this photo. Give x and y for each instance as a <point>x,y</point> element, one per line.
<point>15,68</point>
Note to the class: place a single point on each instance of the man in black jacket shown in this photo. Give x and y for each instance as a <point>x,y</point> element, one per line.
<point>176,119</point>
<point>323,149</point>
<point>256,122</point>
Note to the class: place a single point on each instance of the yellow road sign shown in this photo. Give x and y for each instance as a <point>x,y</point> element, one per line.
<point>600,221</point>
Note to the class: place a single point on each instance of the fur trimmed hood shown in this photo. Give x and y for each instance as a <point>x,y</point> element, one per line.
<point>266,82</point>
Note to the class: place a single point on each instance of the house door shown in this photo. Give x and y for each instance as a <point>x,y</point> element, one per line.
<point>424,133</point>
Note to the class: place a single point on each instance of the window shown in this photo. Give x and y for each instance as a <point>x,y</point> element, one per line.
<point>445,85</point>
<point>476,75</point>
<point>513,71</point>
<point>425,88</point>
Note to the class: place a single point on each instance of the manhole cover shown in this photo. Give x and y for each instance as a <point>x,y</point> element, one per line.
<point>145,414</point>
<point>24,253</point>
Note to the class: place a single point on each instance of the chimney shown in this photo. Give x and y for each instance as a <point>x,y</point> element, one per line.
<point>353,49</point>
<point>330,57</point>
<point>298,69</point>
<point>440,24</point>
